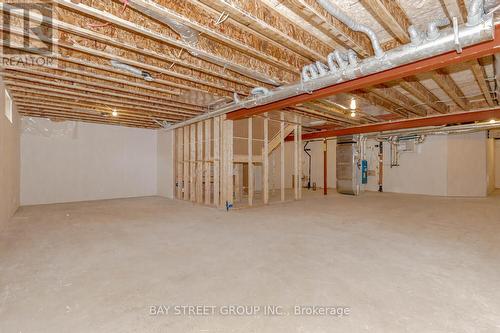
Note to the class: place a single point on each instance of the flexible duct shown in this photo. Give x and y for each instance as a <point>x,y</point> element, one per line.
<point>342,17</point>
<point>476,12</point>
<point>336,61</point>
<point>131,69</point>
<point>260,91</point>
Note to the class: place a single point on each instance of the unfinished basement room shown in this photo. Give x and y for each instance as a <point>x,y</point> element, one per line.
<point>250,166</point>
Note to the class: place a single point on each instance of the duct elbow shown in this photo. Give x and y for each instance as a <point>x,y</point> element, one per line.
<point>322,68</point>
<point>340,58</point>
<point>415,35</point>
<point>331,63</point>
<point>309,72</point>
<point>352,57</point>
<point>433,28</point>
<point>260,91</point>
<point>344,18</point>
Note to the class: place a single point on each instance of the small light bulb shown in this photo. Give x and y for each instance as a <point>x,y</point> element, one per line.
<point>353,104</point>
<point>353,114</point>
<point>493,121</point>
<point>114,113</point>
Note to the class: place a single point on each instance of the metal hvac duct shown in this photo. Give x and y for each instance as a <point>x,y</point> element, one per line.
<point>421,47</point>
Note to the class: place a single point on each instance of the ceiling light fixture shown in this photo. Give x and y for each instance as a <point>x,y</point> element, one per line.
<point>353,104</point>
<point>353,114</point>
<point>493,121</point>
<point>114,113</point>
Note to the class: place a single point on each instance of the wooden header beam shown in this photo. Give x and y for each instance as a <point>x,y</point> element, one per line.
<point>441,120</point>
<point>422,66</point>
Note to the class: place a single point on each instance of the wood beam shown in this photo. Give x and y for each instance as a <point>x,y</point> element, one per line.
<point>208,153</point>
<point>102,38</point>
<point>29,90</point>
<point>179,145</point>
<point>250,162</point>
<point>445,82</point>
<point>282,154</point>
<point>199,162</point>
<point>299,157</point>
<point>87,92</point>
<point>296,160</point>
<point>440,120</point>
<point>317,16</point>
<point>248,14</point>
<point>265,162</point>
<point>208,28</point>
<point>192,163</point>
<point>44,74</point>
<point>219,89</point>
<point>186,166</point>
<point>138,29</point>
<point>391,16</point>
<point>396,97</point>
<point>480,77</point>
<point>395,20</point>
<point>418,90</point>
<point>217,136</point>
<point>61,113</point>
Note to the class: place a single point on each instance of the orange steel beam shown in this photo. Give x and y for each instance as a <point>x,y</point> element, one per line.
<point>441,120</point>
<point>422,66</point>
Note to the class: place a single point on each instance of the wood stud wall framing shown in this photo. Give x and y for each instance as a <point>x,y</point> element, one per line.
<point>209,172</point>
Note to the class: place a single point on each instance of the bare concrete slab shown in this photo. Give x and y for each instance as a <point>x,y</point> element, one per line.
<point>400,263</point>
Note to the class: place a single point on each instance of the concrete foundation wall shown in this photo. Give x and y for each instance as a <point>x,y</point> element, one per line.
<point>93,162</point>
<point>9,161</point>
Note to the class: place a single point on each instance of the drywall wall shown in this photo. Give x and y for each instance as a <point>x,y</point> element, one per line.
<point>91,162</point>
<point>497,163</point>
<point>166,164</point>
<point>317,161</point>
<point>490,157</point>
<point>423,171</point>
<point>9,161</point>
<point>467,165</point>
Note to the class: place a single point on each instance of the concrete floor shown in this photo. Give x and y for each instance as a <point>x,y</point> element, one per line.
<point>400,263</point>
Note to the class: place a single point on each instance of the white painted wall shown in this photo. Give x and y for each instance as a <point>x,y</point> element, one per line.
<point>317,172</point>
<point>453,165</point>
<point>97,162</point>
<point>467,165</point>
<point>165,170</point>
<point>497,163</point>
<point>9,162</point>
<point>420,172</point>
